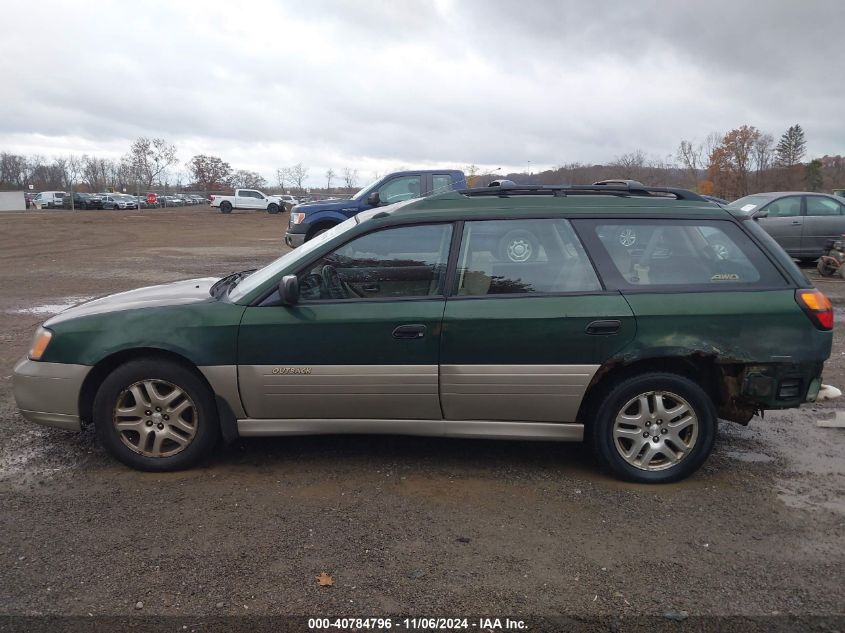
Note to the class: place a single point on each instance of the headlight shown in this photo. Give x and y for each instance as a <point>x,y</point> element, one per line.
<point>40,343</point>
<point>296,218</point>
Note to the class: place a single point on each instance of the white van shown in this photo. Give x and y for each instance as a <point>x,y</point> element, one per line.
<point>48,199</point>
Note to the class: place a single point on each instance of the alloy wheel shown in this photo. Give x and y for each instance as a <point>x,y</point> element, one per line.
<point>155,418</point>
<point>655,430</point>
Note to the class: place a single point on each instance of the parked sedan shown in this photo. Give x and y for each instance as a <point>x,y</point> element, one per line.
<point>801,222</point>
<point>119,201</point>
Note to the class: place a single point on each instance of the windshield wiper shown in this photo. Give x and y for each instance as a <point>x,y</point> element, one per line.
<point>229,281</point>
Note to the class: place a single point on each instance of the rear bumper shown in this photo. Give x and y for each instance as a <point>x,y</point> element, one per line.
<point>48,393</point>
<point>781,385</point>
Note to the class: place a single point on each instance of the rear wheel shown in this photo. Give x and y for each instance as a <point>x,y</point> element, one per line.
<point>156,415</point>
<point>273,208</point>
<point>654,428</point>
<point>225,207</point>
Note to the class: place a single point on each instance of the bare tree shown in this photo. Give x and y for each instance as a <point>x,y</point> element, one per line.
<point>243,179</point>
<point>630,165</point>
<point>297,175</point>
<point>350,177</point>
<point>151,157</point>
<point>690,157</point>
<point>282,177</point>
<point>763,152</point>
<point>330,175</point>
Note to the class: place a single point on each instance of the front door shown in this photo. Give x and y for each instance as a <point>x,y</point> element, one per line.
<point>364,340</point>
<point>528,324</point>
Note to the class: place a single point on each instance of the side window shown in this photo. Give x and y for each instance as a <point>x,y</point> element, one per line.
<point>522,256</point>
<point>400,189</point>
<point>441,183</point>
<point>785,207</point>
<point>407,261</point>
<point>817,205</point>
<point>693,254</point>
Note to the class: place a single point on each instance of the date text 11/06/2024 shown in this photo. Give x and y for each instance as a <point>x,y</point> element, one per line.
<point>423,624</point>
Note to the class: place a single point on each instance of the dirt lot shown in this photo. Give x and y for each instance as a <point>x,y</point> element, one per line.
<point>404,525</point>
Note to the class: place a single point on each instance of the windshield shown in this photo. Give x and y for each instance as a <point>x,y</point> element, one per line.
<point>365,190</point>
<point>749,203</point>
<point>262,275</point>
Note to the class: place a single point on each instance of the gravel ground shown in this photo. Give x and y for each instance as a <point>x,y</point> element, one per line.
<point>403,525</point>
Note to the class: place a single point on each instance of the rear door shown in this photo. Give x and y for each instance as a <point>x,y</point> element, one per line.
<point>823,220</point>
<point>785,223</point>
<point>527,323</point>
<point>698,286</point>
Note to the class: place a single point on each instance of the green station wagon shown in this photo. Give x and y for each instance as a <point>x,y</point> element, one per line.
<point>630,317</point>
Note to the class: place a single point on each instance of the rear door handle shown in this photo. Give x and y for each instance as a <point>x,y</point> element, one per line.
<point>796,221</point>
<point>409,331</point>
<point>610,326</point>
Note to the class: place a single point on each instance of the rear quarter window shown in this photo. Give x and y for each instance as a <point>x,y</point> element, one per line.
<point>678,254</point>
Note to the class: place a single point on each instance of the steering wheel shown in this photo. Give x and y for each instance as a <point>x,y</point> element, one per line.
<point>330,284</point>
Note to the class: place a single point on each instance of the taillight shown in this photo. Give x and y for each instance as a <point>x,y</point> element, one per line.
<point>817,306</point>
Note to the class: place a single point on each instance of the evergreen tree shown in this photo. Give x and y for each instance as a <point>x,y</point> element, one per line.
<point>791,147</point>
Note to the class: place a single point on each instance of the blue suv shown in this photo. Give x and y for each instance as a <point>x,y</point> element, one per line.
<point>313,218</point>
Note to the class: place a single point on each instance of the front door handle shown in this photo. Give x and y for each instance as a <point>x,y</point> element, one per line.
<point>409,331</point>
<point>610,326</point>
<point>796,221</point>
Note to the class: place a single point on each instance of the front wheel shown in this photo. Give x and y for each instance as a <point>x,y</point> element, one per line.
<point>156,415</point>
<point>273,209</point>
<point>654,428</point>
<point>225,207</point>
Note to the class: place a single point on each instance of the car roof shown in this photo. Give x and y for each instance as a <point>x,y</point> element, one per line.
<point>780,194</point>
<point>459,205</point>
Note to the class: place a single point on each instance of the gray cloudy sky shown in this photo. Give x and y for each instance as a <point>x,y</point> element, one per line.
<point>382,84</point>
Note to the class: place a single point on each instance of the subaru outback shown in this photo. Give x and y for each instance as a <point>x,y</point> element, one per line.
<point>630,317</point>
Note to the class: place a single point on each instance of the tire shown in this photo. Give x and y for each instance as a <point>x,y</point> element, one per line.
<point>195,424</point>
<point>225,207</point>
<point>518,246</point>
<point>273,209</point>
<point>825,269</point>
<point>317,232</point>
<point>609,438</point>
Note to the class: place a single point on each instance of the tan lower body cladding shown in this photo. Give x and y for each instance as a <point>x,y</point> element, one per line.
<point>526,393</point>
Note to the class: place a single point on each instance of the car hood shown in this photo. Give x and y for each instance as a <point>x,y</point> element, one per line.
<point>328,205</point>
<point>176,293</point>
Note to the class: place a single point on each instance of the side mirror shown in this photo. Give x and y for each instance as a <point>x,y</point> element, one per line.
<point>762,213</point>
<point>373,199</point>
<point>289,290</point>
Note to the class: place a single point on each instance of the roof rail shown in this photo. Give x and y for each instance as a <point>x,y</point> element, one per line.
<point>621,188</point>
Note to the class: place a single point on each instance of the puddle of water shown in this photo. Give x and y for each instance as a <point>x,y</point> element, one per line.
<point>835,422</point>
<point>51,308</point>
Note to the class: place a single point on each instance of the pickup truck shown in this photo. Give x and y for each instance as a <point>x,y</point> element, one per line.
<point>247,199</point>
<point>312,218</point>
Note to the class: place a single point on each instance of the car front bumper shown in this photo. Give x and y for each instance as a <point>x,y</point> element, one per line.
<point>48,393</point>
<point>294,240</point>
